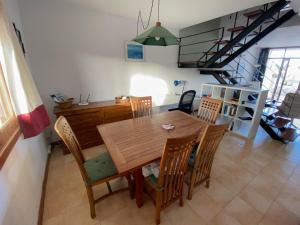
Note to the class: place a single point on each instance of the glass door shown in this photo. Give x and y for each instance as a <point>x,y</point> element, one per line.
<point>271,76</point>
<point>282,73</point>
<point>276,94</point>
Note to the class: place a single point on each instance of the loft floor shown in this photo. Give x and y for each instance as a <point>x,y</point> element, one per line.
<point>254,183</point>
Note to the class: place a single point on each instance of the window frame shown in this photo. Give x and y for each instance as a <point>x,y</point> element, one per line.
<point>10,131</point>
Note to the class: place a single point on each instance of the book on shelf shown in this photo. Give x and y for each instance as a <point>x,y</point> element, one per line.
<point>230,110</point>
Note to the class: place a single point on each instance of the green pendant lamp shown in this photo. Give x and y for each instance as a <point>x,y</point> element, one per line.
<point>157,35</point>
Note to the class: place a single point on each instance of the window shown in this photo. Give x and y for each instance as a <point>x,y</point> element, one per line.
<point>9,128</point>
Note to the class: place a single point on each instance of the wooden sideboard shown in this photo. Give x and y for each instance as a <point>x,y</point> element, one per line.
<point>84,119</point>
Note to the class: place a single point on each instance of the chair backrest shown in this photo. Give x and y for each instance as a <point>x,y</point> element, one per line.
<point>173,166</point>
<point>65,132</point>
<point>208,146</point>
<point>186,101</point>
<point>209,109</point>
<point>141,106</point>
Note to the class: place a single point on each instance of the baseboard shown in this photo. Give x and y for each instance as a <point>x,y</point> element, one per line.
<point>42,200</point>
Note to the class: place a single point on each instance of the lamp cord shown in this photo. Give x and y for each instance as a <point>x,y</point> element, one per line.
<point>158,10</point>
<point>145,26</point>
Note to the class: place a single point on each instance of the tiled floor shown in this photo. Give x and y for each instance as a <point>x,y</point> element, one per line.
<point>254,183</point>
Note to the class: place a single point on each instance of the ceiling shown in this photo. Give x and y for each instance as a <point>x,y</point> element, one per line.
<point>174,13</point>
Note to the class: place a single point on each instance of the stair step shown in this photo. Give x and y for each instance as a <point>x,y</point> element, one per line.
<point>241,28</point>
<point>213,53</point>
<point>254,33</point>
<point>225,42</point>
<point>188,64</point>
<point>271,20</point>
<point>269,111</point>
<point>213,69</point>
<point>222,42</point>
<point>290,134</point>
<point>279,122</point>
<point>254,14</point>
<point>236,29</point>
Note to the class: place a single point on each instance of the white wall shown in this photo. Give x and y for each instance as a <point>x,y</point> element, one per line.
<point>75,50</point>
<point>282,37</point>
<point>21,180</point>
<point>22,174</point>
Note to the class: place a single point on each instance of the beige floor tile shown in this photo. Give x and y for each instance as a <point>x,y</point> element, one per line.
<point>289,152</point>
<point>206,207</point>
<point>219,192</point>
<point>146,214</point>
<point>296,176</point>
<point>243,212</point>
<point>266,185</point>
<point>55,203</point>
<point>280,169</point>
<point>80,215</point>
<point>57,220</point>
<point>182,215</point>
<point>224,219</point>
<point>208,202</point>
<point>256,199</point>
<point>278,215</point>
<point>255,162</point>
<point>120,217</point>
<point>236,180</point>
<point>289,197</point>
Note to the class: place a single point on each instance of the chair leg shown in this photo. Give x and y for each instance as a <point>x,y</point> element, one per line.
<point>91,201</point>
<point>158,209</point>
<point>181,196</point>
<point>181,201</point>
<point>190,192</point>
<point>191,186</point>
<point>109,187</point>
<point>130,185</point>
<point>207,183</point>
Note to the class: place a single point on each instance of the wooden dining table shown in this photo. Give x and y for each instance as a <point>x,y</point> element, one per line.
<point>137,142</point>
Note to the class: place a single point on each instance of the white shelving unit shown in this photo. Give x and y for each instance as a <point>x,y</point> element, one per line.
<point>235,101</point>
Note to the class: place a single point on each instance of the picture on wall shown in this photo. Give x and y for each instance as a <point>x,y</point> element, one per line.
<point>134,51</point>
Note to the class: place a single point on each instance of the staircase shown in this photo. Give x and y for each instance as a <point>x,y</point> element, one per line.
<point>223,52</point>
<point>259,24</point>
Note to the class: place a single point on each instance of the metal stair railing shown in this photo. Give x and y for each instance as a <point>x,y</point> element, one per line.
<point>256,58</point>
<point>198,60</point>
<point>259,36</point>
<point>255,24</point>
<point>260,71</point>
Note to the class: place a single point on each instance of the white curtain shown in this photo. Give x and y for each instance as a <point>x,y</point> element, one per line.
<point>26,100</point>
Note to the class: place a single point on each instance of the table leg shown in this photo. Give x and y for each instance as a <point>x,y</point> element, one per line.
<point>139,185</point>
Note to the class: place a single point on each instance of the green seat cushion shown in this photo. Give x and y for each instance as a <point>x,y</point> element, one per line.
<point>100,167</point>
<point>153,179</point>
<point>193,156</point>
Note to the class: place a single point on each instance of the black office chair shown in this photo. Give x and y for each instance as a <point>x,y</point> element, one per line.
<point>186,102</point>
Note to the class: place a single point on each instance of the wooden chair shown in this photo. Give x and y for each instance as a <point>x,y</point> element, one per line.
<point>209,109</point>
<point>200,165</point>
<point>141,106</point>
<point>173,165</point>
<point>94,171</point>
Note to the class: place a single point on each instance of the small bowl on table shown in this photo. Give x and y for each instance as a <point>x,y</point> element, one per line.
<point>66,104</point>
